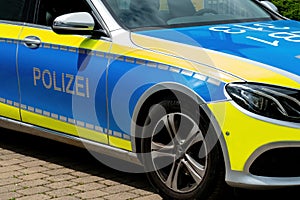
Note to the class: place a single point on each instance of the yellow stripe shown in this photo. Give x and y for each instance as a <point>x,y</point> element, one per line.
<point>120,143</point>
<point>9,111</point>
<point>9,31</point>
<point>171,60</point>
<point>227,63</point>
<point>78,131</point>
<point>53,124</point>
<point>251,72</point>
<point>48,36</point>
<point>247,134</point>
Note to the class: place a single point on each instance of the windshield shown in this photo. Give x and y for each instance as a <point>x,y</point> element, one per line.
<point>134,14</point>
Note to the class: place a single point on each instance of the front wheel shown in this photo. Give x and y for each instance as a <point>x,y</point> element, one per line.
<point>180,162</point>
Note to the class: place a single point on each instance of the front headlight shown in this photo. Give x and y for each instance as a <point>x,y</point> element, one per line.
<point>270,101</point>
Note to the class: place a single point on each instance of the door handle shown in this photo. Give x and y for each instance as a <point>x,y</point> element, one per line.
<point>32,42</point>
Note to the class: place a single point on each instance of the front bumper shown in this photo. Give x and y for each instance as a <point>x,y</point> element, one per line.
<point>249,181</point>
<point>258,152</point>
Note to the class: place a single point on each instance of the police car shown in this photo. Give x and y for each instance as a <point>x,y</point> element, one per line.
<point>202,93</point>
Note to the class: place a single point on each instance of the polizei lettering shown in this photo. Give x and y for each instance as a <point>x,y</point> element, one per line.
<point>67,83</point>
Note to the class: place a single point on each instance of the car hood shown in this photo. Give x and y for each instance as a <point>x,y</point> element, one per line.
<point>272,45</point>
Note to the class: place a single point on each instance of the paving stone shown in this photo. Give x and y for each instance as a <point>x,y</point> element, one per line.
<point>109,182</point>
<point>117,188</point>
<point>6,151</point>
<point>79,174</point>
<point>35,169</point>
<point>150,197</point>
<point>34,190</point>
<point>9,188</point>
<point>33,176</point>
<point>37,175</point>
<point>53,166</point>
<point>28,159</point>
<point>87,179</point>
<point>35,197</point>
<point>11,156</point>
<point>9,195</point>
<point>9,181</point>
<point>10,162</point>
<point>121,196</point>
<point>59,171</point>
<point>61,184</point>
<point>10,174</point>
<point>34,163</point>
<point>33,183</point>
<point>62,192</point>
<point>141,192</point>
<point>91,194</point>
<point>89,186</point>
<point>10,168</point>
<point>63,177</point>
<point>67,198</point>
<point>100,198</point>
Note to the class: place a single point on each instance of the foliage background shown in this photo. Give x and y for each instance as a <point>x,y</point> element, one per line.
<point>288,8</point>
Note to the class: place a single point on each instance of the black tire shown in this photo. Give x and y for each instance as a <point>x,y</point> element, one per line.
<point>166,151</point>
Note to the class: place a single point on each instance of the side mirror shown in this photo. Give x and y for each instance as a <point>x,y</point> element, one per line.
<point>81,23</point>
<point>269,5</point>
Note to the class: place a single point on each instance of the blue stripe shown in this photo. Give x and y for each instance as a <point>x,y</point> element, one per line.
<point>8,71</point>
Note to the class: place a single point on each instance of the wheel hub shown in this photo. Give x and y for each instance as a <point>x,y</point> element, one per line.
<point>175,154</point>
<point>179,152</point>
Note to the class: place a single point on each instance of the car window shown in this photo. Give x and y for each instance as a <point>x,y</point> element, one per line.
<point>49,10</point>
<point>167,13</point>
<point>12,10</point>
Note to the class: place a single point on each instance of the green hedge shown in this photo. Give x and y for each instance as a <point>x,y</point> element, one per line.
<point>288,8</point>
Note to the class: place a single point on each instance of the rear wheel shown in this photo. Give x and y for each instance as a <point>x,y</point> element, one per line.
<point>181,162</point>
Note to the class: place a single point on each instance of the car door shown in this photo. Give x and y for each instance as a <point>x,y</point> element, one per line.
<point>12,15</point>
<point>62,77</point>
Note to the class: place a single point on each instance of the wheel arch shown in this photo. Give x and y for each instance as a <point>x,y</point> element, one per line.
<point>169,91</point>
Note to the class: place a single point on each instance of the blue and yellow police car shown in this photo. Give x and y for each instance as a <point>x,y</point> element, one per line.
<point>201,93</point>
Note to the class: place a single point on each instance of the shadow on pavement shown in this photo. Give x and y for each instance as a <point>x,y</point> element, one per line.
<point>81,160</point>
<point>68,156</point>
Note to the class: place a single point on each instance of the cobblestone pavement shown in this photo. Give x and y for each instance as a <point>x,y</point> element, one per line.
<point>36,168</point>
